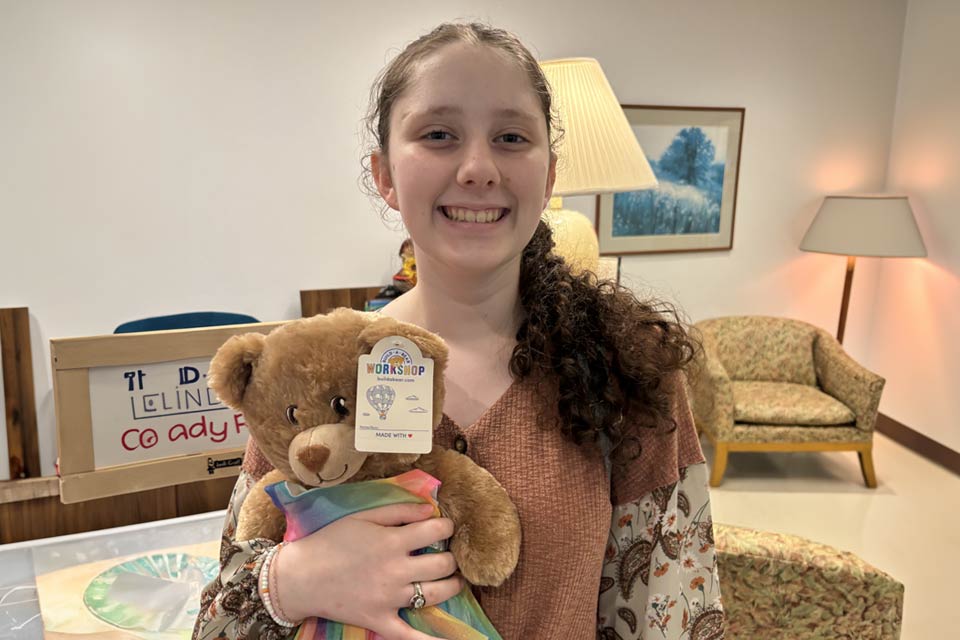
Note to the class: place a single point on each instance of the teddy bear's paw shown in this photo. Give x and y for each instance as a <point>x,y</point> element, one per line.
<point>485,563</point>
<point>252,529</point>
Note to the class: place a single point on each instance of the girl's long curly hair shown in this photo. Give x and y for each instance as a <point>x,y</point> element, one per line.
<point>608,352</point>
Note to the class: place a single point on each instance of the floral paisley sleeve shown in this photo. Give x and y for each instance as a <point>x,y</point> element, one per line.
<point>230,606</point>
<point>659,575</point>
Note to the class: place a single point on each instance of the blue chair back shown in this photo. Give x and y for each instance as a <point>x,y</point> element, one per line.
<point>185,321</point>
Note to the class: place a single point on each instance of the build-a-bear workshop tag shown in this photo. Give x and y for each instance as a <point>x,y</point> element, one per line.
<point>394,399</point>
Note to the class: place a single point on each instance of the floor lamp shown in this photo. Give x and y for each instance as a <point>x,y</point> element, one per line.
<point>870,226</point>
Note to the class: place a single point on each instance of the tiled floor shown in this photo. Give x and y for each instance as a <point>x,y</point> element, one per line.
<point>909,526</point>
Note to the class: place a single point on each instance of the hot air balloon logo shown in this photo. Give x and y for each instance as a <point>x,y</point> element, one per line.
<point>381,398</point>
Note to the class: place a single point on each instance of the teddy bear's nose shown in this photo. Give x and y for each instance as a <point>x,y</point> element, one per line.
<point>313,457</point>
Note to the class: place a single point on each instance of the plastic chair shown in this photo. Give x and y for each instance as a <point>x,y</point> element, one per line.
<point>185,321</point>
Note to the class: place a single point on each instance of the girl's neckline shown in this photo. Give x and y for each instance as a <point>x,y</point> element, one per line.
<point>486,412</point>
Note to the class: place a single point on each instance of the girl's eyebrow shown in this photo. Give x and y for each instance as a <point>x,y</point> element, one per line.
<point>446,110</point>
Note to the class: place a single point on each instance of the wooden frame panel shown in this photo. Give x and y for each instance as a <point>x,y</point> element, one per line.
<point>144,476</point>
<point>145,348</point>
<point>71,389</point>
<point>314,301</point>
<point>73,358</point>
<point>21,411</point>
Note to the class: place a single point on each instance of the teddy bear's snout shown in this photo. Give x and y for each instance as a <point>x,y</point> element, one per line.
<point>324,455</point>
<point>313,457</point>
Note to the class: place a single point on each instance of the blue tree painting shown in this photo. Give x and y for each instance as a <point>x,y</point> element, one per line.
<point>691,184</point>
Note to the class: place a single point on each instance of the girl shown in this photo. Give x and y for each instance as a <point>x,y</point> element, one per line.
<point>569,391</point>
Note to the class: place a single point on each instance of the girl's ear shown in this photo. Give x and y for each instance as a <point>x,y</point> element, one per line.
<point>232,366</point>
<point>380,167</point>
<point>551,179</point>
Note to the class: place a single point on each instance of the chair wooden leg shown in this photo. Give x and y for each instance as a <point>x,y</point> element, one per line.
<point>719,464</point>
<point>866,466</point>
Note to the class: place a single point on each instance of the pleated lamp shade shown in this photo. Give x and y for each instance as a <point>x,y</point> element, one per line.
<point>599,152</point>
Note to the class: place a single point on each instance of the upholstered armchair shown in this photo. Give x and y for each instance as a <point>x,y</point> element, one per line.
<point>775,384</point>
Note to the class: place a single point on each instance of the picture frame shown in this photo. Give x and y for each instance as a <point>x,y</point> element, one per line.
<point>695,154</point>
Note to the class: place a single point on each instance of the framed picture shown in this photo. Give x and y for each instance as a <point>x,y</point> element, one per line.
<point>695,154</point>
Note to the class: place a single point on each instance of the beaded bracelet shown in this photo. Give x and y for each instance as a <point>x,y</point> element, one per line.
<point>266,586</point>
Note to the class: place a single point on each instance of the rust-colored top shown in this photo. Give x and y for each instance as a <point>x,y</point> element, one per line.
<point>565,505</point>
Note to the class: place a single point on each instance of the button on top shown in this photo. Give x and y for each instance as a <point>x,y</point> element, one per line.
<point>460,444</point>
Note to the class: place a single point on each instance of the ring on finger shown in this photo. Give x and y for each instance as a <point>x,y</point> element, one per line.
<point>417,601</point>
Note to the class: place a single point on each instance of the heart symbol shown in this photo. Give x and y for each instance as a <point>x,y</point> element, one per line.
<point>410,435</point>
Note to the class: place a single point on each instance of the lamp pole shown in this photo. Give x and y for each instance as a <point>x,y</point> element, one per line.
<point>845,301</point>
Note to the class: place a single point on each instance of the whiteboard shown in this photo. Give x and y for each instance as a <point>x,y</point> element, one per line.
<point>159,410</point>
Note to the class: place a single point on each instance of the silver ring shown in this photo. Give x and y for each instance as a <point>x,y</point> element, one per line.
<point>417,601</point>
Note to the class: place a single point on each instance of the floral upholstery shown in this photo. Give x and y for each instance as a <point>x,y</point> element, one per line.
<point>843,378</point>
<point>779,586</point>
<point>787,403</point>
<point>762,348</point>
<point>734,354</point>
<point>770,433</point>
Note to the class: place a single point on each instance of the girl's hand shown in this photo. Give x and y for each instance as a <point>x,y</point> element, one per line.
<point>359,570</point>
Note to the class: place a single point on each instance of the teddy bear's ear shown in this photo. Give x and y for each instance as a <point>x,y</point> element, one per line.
<point>232,366</point>
<point>430,344</point>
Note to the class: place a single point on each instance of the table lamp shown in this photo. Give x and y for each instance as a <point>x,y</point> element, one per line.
<point>599,153</point>
<point>879,226</point>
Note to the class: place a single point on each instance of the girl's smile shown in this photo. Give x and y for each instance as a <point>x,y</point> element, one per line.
<point>474,215</point>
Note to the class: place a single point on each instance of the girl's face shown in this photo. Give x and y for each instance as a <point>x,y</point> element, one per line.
<point>469,165</point>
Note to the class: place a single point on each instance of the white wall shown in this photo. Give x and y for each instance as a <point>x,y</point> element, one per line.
<point>170,156</point>
<point>915,328</point>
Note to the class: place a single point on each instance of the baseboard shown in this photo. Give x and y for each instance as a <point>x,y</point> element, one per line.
<point>919,443</point>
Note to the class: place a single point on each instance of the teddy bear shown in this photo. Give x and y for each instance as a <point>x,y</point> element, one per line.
<point>297,389</point>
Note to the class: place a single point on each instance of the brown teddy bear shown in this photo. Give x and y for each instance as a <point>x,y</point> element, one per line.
<point>297,389</point>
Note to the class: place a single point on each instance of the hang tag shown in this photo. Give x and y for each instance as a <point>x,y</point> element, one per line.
<point>394,399</point>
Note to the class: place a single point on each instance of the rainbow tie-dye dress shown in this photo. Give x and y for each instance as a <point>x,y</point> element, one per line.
<point>459,618</point>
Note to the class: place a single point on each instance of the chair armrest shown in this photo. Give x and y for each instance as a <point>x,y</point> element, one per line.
<point>845,379</point>
<point>711,396</point>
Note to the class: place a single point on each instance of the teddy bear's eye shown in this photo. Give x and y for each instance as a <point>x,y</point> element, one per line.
<point>339,404</point>
<point>292,415</point>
